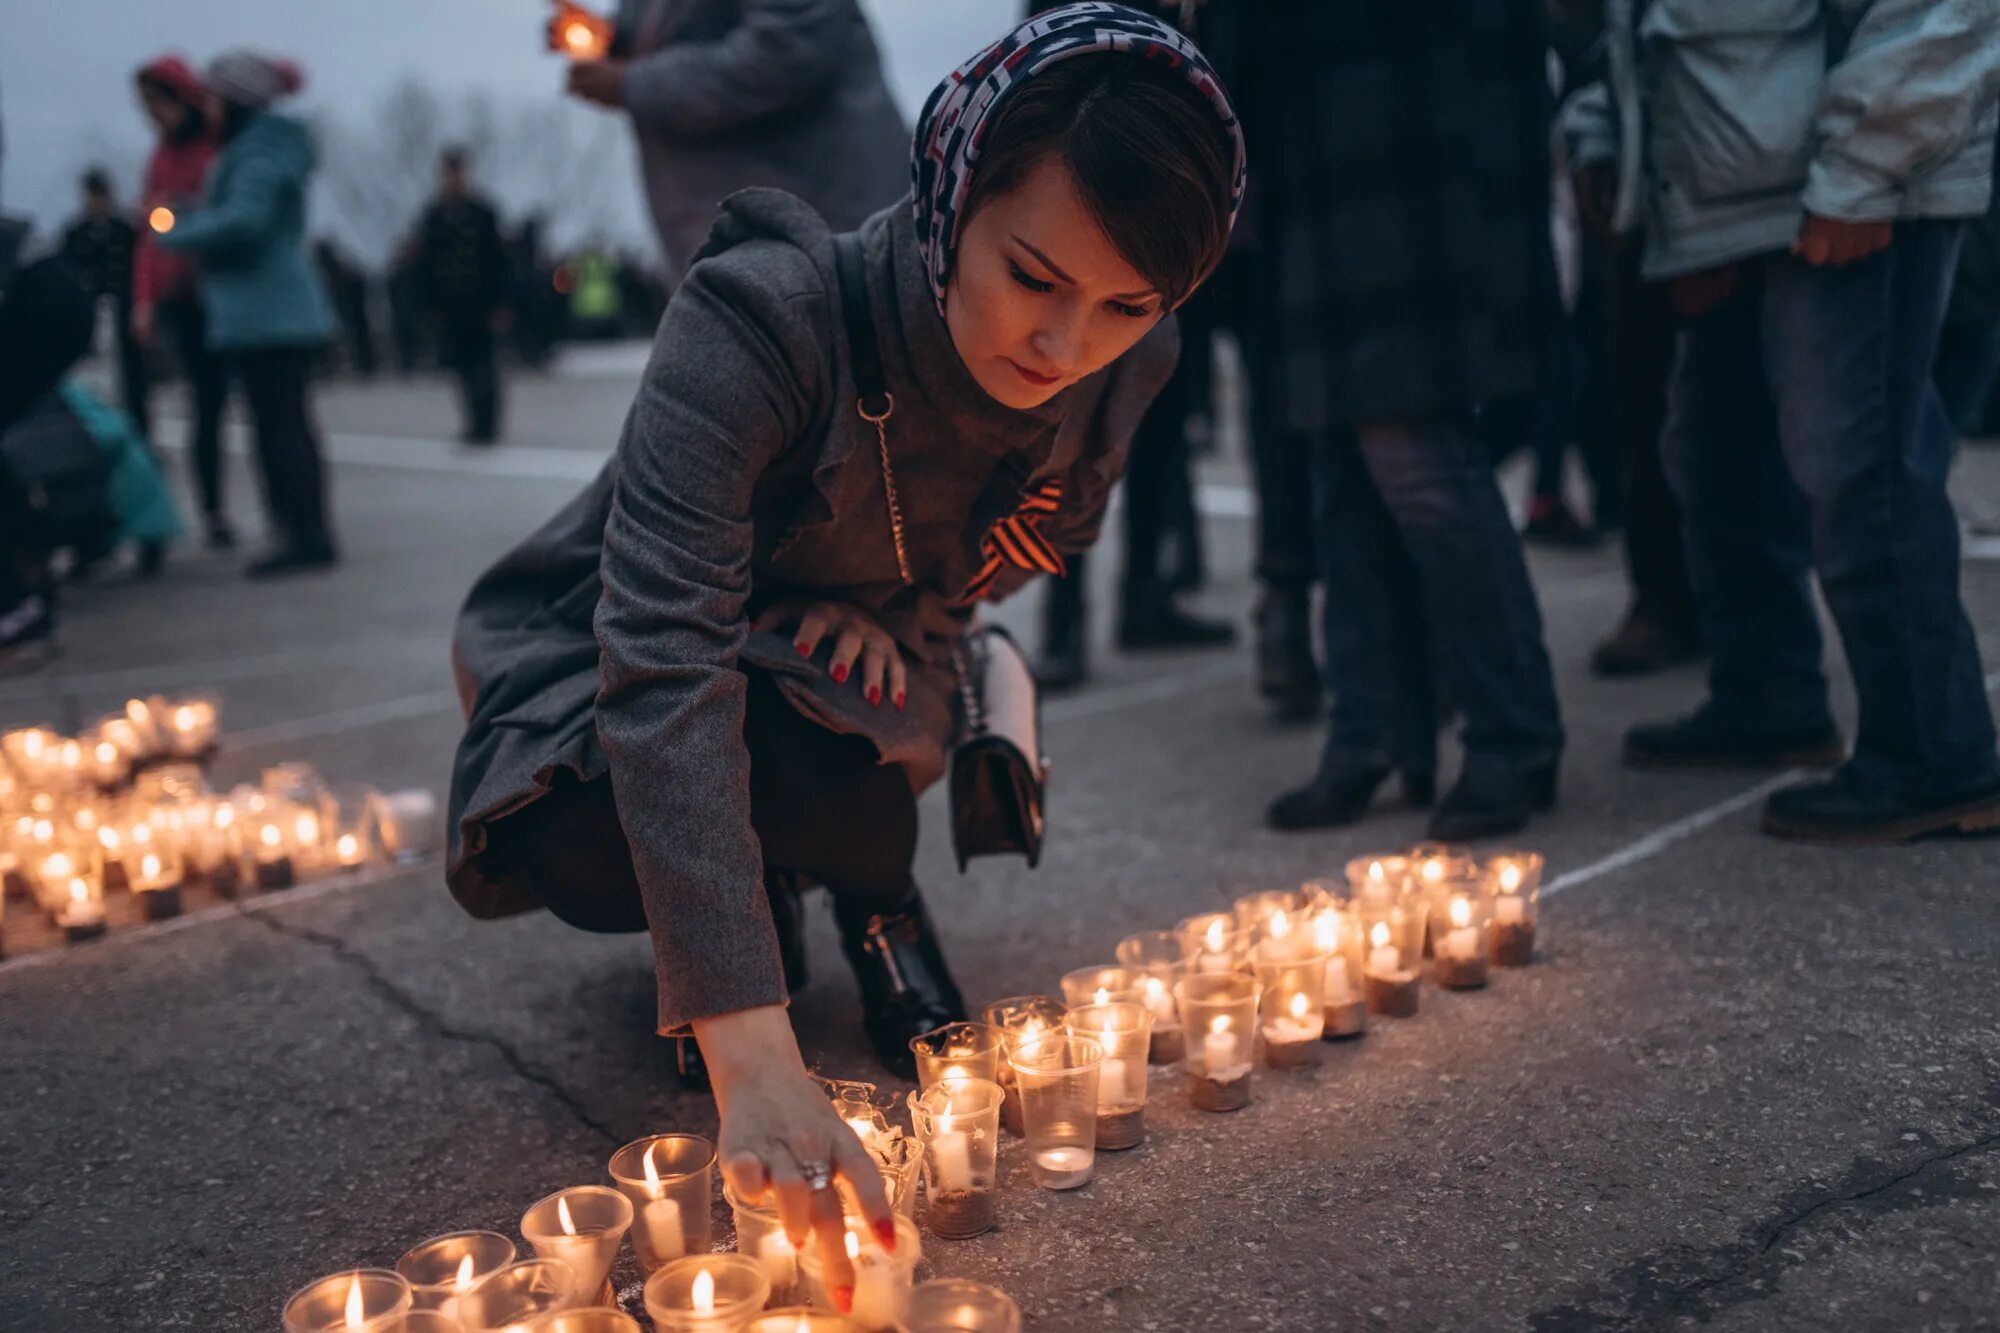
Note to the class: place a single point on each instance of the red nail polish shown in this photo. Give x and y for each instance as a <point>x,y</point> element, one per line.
<point>875,695</point>
<point>839,674</point>
<point>843,1299</point>
<point>901,699</point>
<point>805,649</point>
<point>886,1231</point>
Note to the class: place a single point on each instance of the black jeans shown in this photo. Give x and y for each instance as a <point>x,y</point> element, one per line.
<point>1425,577</point>
<point>465,342</point>
<point>1639,339</point>
<point>822,805</point>
<point>277,380</point>
<point>207,377</point>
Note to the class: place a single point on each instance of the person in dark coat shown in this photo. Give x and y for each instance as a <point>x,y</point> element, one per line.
<point>727,94</point>
<point>1407,206</point>
<point>467,283</point>
<point>727,665</point>
<point>98,248</point>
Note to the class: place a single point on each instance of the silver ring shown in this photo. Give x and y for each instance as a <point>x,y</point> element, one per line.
<point>818,1176</point>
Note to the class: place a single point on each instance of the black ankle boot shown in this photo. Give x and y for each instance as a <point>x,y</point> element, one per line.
<point>1287,675</point>
<point>1339,793</point>
<point>788,914</point>
<point>1493,798</point>
<point>906,988</point>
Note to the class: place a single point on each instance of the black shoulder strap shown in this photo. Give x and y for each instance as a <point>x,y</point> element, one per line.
<point>873,387</point>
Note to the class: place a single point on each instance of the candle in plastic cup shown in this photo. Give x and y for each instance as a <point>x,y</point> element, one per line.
<point>957,1051</point>
<point>1292,1008</point>
<point>1219,1014</point>
<point>958,1125</point>
<point>1058,1078</point>
<point>446,1268</point>
<point>1101,985</point>
<point>669,1180</point>
<point>1336,934</point>
<point>882,1278</point>
<point>594,1319</point>
<point>583,1227</point>
<point>1021,1018</point>
<point>517,1293</point>
<point>1124,1030</point>
<point>360,1300</point>
<point>1211,942</point>
<point>706,1293</point>
<point>760,1237</point>
<point>800,1319</point>
<point>953,1305</point>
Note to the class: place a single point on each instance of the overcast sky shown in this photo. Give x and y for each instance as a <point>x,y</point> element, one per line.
<point>66,98</point>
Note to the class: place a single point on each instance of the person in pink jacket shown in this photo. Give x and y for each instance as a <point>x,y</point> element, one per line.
<point>165,284</point>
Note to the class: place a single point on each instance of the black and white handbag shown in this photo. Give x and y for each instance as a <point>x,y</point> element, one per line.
<point>999,777</point>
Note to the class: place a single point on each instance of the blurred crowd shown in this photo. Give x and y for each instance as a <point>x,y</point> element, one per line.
<point>1728,273</point>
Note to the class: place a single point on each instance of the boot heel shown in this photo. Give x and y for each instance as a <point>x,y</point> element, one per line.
<point>1982,819</point>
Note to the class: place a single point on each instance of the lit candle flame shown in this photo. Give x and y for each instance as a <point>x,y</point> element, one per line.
<point>562,1216</point>
<point>356,1309</point>
<point>1326,931</point>
<point>1378,935</point>
<point>225,815</point>
<point>142,833</point>
<point>58,866</point>
<point>79,892</point>
<point>1215,936</point>
<point>1510,877</point>
<point>1155,988</point>
<point>1461,912</point>
<point>1433,871</point>
<point>702,1297</point>
<point>349,847</point>
<point>137,710</point>
<point>107,753</point>
<point>463,1281</point>
<point>653,1190</point>
<point>270,835</point>
<point>1103,995</point>
<point>1377,871</point>
<point>150,866</point>
<point>944,1123</point>
<point>1281,925</point>
<point>108,836</point>
<point>954,1074</point>
<point>1219,1024</point>
<point>1300,1004</point>
<point>307,827</point>
<point>853,1246</point>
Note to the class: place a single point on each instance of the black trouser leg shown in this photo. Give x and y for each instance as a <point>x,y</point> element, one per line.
<point>1640,339</point>
<point>133,378</point>
<point>276,380</point>
<point>207,378</point>
<point>468,339</point>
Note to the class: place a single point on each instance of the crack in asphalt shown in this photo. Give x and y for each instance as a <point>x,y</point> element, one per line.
<point>1679,1283</point>
<point>403,1001</point>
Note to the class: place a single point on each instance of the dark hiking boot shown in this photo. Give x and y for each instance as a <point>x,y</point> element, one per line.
<point>1844,811</point>
<point>1704,740</point>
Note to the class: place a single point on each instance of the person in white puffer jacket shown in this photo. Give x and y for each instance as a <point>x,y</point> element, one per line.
<point>1801,170</point>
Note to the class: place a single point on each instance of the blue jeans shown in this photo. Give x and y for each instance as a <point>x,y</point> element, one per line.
<point>1425,581</point>
<point>1804,434</point>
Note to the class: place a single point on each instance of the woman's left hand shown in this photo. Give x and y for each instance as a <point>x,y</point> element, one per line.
<point>857,638</point>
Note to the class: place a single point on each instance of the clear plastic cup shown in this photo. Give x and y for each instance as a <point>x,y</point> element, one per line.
<point>1058,1077</point>
<point>1219,1014</point>
<point>1393,936</point>
<point>760,1237</point>
<point>1101,985</point>
<point>517,1293</point>
<point>669,1179</point>
<point>1124,1030</point>
<point>595,1319</point>
<point>882,1278</point>
<point>1336,932</point>
<point>583,1226</point>
<point>1021,1018</point>
<point>953,1305</point>
<point>957,1051</point>
<point>1514,879</point>
<point>799,1319</point>
<point>1212,942</point>
<point>1458,941</point>
<point>369,1299</point>
<point>706,1293</point>
<point>1156,955</point>
<point>446,1267</point>
<point>1291,1009</point>
<point>958,1124</point>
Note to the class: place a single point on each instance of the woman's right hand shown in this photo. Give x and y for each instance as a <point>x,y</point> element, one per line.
<point>783,1142</point>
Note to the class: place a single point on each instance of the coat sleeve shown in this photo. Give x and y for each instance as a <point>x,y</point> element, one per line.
<point>258,186</point>
<point>1914,78</point>
<point>782,55</point>
<point>737,373</point>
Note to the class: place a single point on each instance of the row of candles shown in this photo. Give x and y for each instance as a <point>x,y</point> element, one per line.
<point>1280,972</point>
<point>126,808</point>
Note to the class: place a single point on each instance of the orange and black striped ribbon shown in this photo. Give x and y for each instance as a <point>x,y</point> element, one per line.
<point>1017,540</point>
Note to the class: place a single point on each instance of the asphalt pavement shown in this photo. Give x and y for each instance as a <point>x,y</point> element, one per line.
<point>1747,1085</point>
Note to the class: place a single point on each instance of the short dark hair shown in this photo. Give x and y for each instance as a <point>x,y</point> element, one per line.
<point>1152,159</point>
<point>97,181</point>
<point>454,158</point>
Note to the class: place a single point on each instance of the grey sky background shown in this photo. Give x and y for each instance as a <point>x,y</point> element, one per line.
<point>66,99</point>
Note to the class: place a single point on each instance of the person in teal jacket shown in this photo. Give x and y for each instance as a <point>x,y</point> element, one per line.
<point>265,310</point>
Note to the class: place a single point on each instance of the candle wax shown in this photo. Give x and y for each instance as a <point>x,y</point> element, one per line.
<point>1111,1083</point>
<point>1064,1168</point>
<point>1385,960</point>
<point>1285,1030</point>
<point>660,1222</point>
<point>952,1161</point>
<point>778,1259</point>
<point>1510,909</point>
<point>881,1291</point>
<point>1339,986</point>
<point>1461,944</point>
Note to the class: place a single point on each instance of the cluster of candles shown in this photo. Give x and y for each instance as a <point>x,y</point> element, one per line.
<point>660,1197</point>
<point>1265,981</point>
<point>126,807</point>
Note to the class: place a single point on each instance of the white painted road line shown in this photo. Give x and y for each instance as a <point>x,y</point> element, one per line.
<point>1650,846</point>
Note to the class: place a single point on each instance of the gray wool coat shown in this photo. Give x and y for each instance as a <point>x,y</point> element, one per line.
<point>729,94</point>
<point>612,640</point>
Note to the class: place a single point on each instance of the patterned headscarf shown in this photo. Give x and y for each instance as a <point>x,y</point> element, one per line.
<point>961,110</point>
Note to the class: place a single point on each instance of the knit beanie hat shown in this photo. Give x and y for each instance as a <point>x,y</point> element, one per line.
<point>252,80</point>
